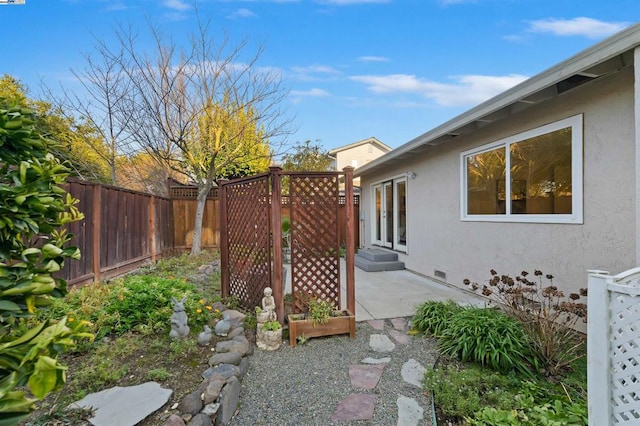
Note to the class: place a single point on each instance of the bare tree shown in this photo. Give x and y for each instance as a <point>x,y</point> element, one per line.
<point>201,107</point>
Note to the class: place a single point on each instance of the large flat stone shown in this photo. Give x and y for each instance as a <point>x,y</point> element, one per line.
<point>410,413</point>
<point>413,372</point>
<point>129,405</point>
<point>370,360</point>
<point>399,337</point>
<point>224,370</point>
<point>357,406</point>
<point>229,399</point>
<point>399,323</point>
<point>376,324</point>
<point>381,343</point>
<point>365,376</point>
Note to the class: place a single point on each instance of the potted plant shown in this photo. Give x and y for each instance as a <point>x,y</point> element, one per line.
<point>321,319</point>
<point>269,335</point>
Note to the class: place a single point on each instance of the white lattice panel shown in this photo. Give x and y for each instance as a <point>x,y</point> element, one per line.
<point>625,357</point>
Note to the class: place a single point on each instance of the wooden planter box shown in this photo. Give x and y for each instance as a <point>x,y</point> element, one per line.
<point>346,323</point>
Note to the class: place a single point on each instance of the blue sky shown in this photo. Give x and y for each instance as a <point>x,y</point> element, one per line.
<point>392,69</point>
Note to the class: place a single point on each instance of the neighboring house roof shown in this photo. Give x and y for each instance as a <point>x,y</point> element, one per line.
<point>610,55</point>
<point>372,140</point>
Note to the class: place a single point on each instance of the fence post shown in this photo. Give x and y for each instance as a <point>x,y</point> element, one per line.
<point>152,228</point>
<point>224,239</point>
<point>96,220</point>
<point>598,340</point>
<point>349,240</point>
<point>276,233</point>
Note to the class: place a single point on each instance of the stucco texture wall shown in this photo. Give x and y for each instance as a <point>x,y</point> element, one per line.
<point>439,240</point>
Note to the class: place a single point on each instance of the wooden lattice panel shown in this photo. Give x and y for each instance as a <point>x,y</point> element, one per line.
<point>315,247</point>
<point>625,358</point>
<point>248,233</point>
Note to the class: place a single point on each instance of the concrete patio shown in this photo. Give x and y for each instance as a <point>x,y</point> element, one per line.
<point>393,294</point>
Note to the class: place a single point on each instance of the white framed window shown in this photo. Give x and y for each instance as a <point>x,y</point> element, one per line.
<point>389,213</point>
<point>534,176</point>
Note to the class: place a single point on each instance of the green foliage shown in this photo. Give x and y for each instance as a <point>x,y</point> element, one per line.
<point>302,339</point>
<point>547,316</point>
<point>487,337</point>
<point>319,311</point>
<point>271,326</point>
<point>33,246</point>
<point>307,157</point>
<point>460,392</point>
<point>158,374</point>
<point>250,322</point>
<point>231,302</point>
<point>432,317</point>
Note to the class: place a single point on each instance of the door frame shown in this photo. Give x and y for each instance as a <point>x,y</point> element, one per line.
<point>385,207</point>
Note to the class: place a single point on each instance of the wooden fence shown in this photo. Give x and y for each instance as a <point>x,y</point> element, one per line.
<point>123,229</point>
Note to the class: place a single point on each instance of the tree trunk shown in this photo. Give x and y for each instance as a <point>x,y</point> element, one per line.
<point>196,244</point>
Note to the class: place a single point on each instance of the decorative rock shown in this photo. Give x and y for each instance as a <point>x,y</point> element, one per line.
<point>381,343</point>
<point>222,328</point>
<point>244,367</point>
<point>174,420</point>
<point>236,332</point>
<point>269,340</point>
<point>385,360</point>
<point>200,420</point>
<point>212,392</point>
<point>225,358</point>
<point>365,376</point>
<point>399,323</point>
<point>357,406</point>
<point>399,337</point>
<point>210,409</point>
<point>413,373</point>
<point>242,348</point>
<point>191,404</point>
<point>124,405</point>
<point>376,324</point>
<point>235,318</point>
<point>221,307</point>
<point>410,413</point>
<point>228,401</point>
<point>224,370</point>
<point>204,338</point>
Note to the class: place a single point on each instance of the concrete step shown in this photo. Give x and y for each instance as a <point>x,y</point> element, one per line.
<point>371,266</point>
<point>377,255</point>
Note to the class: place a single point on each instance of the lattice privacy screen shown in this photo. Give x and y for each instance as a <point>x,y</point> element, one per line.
<point>625,358</point>
<point>248,233</point>
<point>315,245</point>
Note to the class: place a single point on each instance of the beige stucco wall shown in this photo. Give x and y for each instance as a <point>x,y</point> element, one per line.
<point>439,240</point>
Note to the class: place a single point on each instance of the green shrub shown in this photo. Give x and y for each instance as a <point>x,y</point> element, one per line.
<point>487,337</point>
<point>432,317</point>
<point>527,412</point>
<point>33,246</point>
<point>461,392</point>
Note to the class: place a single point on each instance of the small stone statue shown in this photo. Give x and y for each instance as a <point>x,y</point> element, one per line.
<point>269,304</point>
<point>179,321</point>
<point>223,326</point>
<point>204,338</point>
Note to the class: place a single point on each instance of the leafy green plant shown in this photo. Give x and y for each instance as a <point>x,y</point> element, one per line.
<point>271,326</point>
<point>487,337</point>
<point>232,302</point>
<point>33,246</point>
<point>158,374</point>
<point>302,339</point>
<point>250,322</point>
<point>432,317</point>
<point>461,392</point>
<point>528,412</point>
<point>319,311</point>
<point>547,316</point>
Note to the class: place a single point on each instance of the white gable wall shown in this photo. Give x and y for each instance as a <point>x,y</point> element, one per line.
<point>438,240</point>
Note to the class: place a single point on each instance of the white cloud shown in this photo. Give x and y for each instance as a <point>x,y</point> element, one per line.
<point>581,26</point>
<point>298,95</point>
<point>176,4</point>
<point>314,72</point>
<point>242,13</point>
<point>465,91</point>
<point>373,59</point>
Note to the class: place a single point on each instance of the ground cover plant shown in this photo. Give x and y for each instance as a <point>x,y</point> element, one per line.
<point>130,317</point>
<point>487,374</point>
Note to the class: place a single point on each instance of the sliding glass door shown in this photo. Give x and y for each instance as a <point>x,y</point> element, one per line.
<point>390,217</point>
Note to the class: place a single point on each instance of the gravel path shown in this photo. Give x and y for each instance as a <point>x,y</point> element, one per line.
<point>305,384</point>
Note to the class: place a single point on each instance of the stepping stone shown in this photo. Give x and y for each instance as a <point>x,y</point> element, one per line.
<point>381,343</point>
<point>399,324</point>
<point>374,361</point>
<point>399,337</point>
<point>376,324</point>
<point>124,405</point>
<point>365,376</point>
<point>413,373</point>
<point>410,413</point>
<point>357,406</point>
